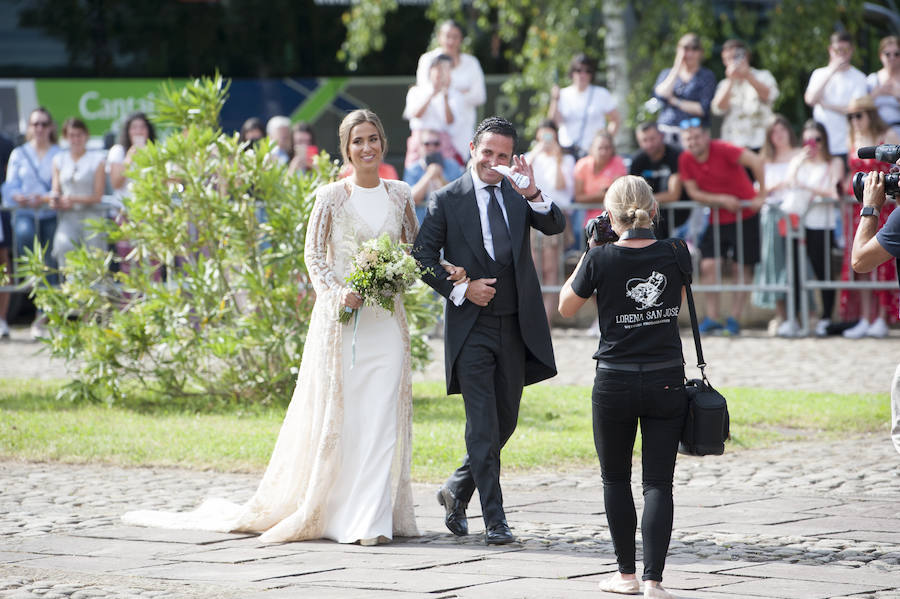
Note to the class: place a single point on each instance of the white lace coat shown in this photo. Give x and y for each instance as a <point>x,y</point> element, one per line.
<point>290,502</point>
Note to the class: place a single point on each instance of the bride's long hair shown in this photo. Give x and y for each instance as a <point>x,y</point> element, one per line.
<point>352,120</point>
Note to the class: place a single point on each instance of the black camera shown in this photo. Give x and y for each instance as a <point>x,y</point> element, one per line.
<point>884,152</point>
<point>600,230</point>
<point>891,184</point>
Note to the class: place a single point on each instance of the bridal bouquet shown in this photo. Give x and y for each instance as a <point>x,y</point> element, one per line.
<point>381,270</point>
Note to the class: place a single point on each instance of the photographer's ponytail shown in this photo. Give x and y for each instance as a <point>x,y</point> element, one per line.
<point>630,201</point>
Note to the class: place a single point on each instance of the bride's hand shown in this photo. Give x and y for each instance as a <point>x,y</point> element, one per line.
<point>457,273</point>
<point>351,299</point>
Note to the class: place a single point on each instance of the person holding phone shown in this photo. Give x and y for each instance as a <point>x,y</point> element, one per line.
<point>305,148</point>
<point>830,90</point>
<point>136,132</point>
<point>744,98</point>
<point>431,171</point>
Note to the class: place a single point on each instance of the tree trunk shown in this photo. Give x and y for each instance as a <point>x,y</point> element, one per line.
<point>615,44</point>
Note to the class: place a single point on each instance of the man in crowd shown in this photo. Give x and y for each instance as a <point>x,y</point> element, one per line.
<point>744,98</point>
<point>870,249</point>
<point>278,130</point>
<point>497,338</point>
<point>830,90</point>
<point>431,171</point>
<point>714,174</point>
<point>657,163</point>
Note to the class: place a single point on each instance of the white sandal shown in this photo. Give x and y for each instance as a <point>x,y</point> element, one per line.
<point>622,586</point>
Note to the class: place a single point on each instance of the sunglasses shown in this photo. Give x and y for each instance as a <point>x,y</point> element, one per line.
<point>431,143</point>
<point>812,141</point>
<point>692,122</point>
<point>40,124</point>
<point>855,115</point>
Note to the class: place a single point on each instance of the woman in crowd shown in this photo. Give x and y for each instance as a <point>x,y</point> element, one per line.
<point>29,179</point>
<point>340,469</point>
<point>595,173</point>
<point>136,131</point>
<point>252,131</point>
<point>779,148</point>
<point>79,179</point>
<point>685,90</point>
<point>433,108</point>
<point>813,174</point>
<point>884,84</point>
<point>466,80</point>
<point>554,172</point>
<point>874,310</point>
<point>640,377</point>
<point>582,109</point>
<point>305,148</point>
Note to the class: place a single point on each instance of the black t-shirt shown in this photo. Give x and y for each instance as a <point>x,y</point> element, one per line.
<point>638,301</point>
<point>657,173</point>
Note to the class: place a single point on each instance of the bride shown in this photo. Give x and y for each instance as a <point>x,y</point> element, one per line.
<point>341,466</point>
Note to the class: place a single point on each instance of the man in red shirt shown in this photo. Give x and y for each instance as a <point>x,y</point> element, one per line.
<point>714,174</point>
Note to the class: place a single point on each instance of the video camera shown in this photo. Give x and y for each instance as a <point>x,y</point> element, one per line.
<point>885,153</point>
<point>600,230</point>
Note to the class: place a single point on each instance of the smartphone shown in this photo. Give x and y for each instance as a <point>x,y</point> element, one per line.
<point>434,158</point>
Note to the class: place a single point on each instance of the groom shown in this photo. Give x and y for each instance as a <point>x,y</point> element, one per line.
<point>496,335</point>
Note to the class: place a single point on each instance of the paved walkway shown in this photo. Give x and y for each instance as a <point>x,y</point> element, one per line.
<point>800,521</point>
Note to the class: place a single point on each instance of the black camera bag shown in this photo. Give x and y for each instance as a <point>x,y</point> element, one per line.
<point>707,425</point>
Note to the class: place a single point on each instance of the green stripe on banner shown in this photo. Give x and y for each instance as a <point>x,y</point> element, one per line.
<point>324,95</point>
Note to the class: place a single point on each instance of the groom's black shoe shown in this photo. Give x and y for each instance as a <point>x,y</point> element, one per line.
<point>498,534</point>
<point>455,518</point>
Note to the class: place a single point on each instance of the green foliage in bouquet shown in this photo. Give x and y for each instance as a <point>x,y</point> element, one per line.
<point>213,301</point>
<point>381,270</point>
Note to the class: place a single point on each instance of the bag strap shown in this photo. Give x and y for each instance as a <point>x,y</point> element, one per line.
<point>683,258</point>
<point>584,116</point>
<point>34,168</point>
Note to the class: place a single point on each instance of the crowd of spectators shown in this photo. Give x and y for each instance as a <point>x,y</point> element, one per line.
<point>749,185</point>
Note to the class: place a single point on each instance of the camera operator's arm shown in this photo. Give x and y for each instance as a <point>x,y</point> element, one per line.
<point>433,171</point>
<point>868,252</point>
<point>722,200</point>
<point>569,301</point>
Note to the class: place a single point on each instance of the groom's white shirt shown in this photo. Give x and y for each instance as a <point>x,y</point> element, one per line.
<point>483,198</point>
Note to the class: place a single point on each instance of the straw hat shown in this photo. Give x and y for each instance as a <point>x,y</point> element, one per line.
<point>861,104</point>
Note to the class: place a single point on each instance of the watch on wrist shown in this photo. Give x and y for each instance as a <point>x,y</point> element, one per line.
<point>868,211</point>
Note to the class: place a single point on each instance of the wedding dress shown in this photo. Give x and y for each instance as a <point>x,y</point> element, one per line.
<point>341,465</point>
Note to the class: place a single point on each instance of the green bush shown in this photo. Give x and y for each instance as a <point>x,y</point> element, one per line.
<point>216,303</point>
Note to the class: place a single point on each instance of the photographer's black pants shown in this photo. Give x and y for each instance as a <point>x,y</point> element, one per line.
<point>658,401</point>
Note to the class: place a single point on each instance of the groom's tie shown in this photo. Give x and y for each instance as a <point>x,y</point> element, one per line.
<point>499,231</point>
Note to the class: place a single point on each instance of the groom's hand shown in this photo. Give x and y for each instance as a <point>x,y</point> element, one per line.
<point>480,291</point>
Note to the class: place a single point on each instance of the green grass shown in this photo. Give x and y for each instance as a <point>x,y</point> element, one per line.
<point>554,429</point>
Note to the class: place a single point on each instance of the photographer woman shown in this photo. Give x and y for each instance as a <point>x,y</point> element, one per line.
<point>640,376</point>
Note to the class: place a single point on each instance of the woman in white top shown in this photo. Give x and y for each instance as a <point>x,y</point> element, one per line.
<point>79,178</point>
<point>554,171</point>
<point>813,174</point>
<point>582,109</point>
<point>340,469</point>
<point>466,79</point>
<point>884,84</point>
<point>779,148</point>
<point>136,131</point>
<point>433,108</point>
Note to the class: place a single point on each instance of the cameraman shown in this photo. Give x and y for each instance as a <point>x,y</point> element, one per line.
<point>640,375</point>
<point>871,249</point>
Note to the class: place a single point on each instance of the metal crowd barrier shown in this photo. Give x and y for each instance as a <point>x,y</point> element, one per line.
<point>807,278</point>
<point>110,202</point>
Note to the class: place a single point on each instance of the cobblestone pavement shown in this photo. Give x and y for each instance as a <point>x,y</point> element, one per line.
<point>800,520</point>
